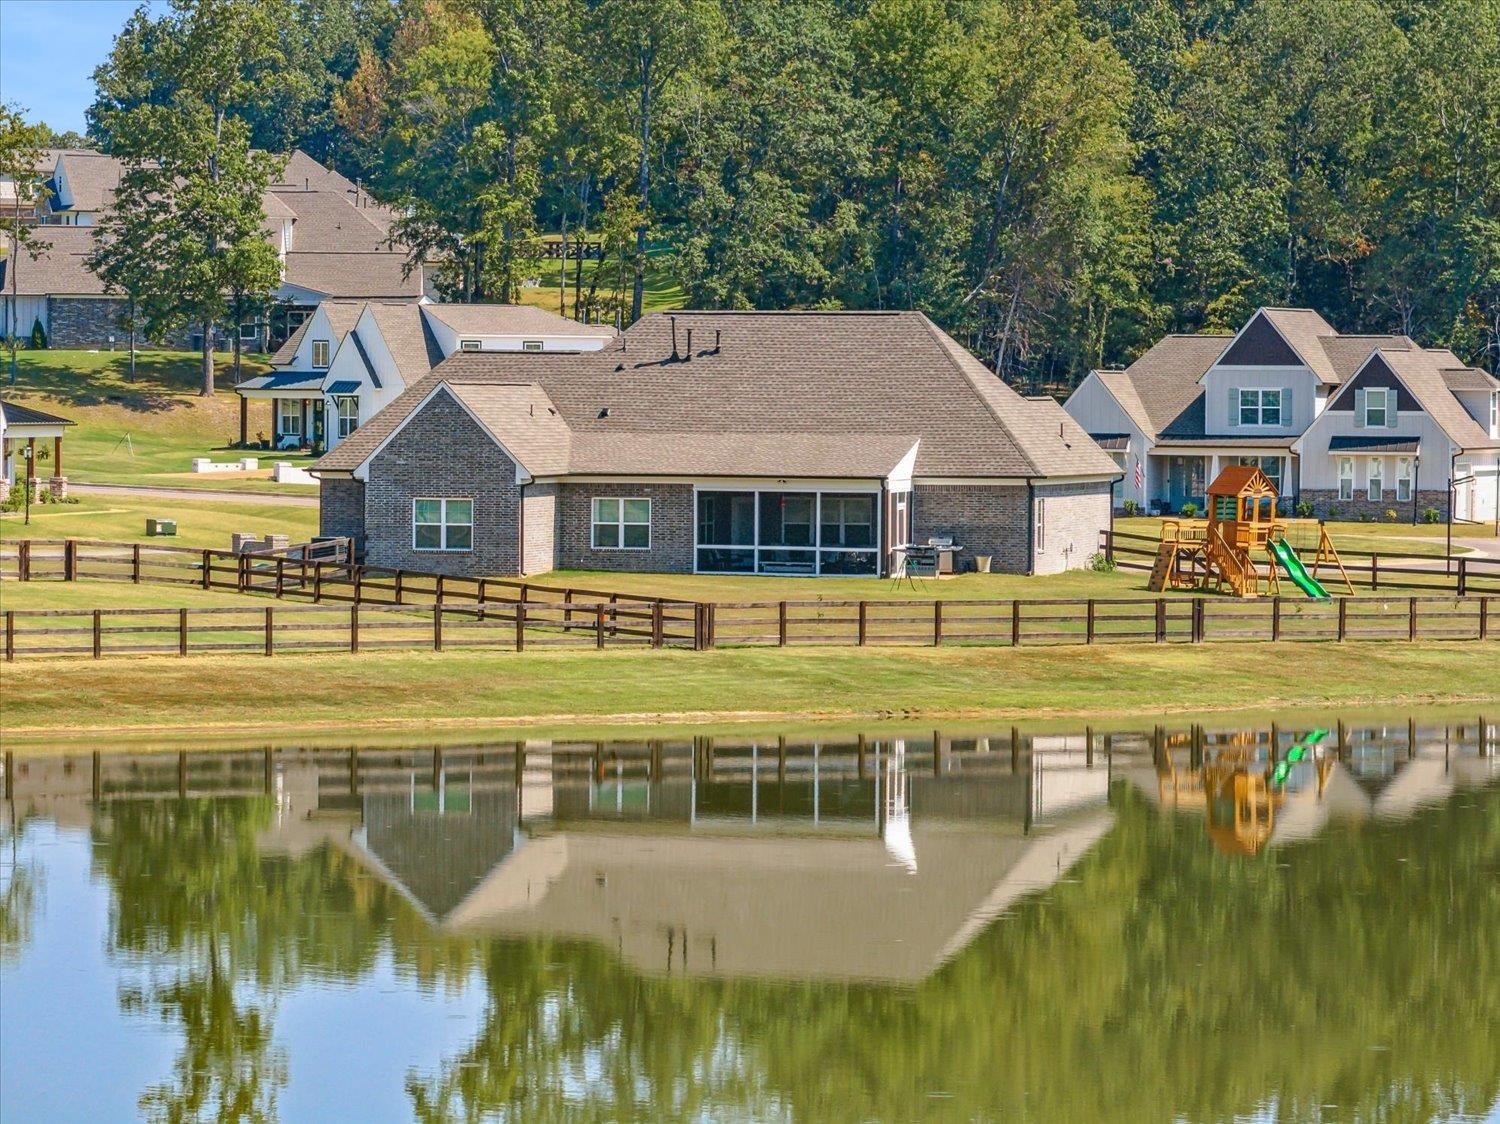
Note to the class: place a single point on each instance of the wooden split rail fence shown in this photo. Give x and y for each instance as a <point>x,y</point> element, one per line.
<point>353,608</point>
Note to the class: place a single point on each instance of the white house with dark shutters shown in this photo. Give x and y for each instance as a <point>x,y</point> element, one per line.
<point>1287,394</point>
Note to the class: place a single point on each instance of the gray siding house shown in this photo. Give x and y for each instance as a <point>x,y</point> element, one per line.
<point>719,442</point>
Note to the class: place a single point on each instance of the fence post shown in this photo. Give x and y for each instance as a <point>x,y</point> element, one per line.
<point>864,608</point>
<point>437,589</point>
<point>1161,620</point>
<point>1463,576</point>
<point>1411,619</point>
<point>1088,636</point>
<point>1109,547</point>
<point>437,627</point>
<point>208,563</point>
<point>317,583</point>
<point>270,630</point>
<point>182,632</point>
<point>1197,624</point>
<point>354,627</point>
<point>280,575</point>
<point>1015,623</point>
<point>1484,618</point>
<point>1374,572</point>
<point>937,623</point>
<point>354,573</point>
<point>709,622</point>
<point>398,584</point>
<point>10,635</point>
<point>656,624</point>
<point>70,560</point>
<point>98,634</point>
<point>23,561</point>
<point>781,623</point>
<point>520,626</point>
<point>599,625</point>
<point>1276,618</point>
<point>135,562</point>
<point>1343,618</point>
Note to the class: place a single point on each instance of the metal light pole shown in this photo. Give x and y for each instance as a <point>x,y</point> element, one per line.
<point>26,454</point>
<point>1416,485</point>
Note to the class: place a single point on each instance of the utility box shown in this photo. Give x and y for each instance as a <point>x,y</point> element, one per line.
<point>159,527</point>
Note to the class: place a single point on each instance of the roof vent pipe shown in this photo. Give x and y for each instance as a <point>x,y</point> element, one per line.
<point>675,356</point>
<point>690,345</point>
<point>716,341</point>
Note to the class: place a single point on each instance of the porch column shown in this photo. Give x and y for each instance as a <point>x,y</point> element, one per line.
<point>57,457</point>
<point>244,421</point>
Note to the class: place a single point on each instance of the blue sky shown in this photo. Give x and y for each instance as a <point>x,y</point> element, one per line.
<point>48,51</point>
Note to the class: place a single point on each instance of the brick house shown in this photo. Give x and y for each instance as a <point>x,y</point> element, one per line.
<point>719,442</point>
<point>1286,394</point>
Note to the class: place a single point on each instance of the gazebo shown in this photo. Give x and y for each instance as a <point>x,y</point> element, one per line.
<point>20,429</point>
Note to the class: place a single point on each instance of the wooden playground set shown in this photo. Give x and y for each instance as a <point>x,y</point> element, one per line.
<point>1241,548</point>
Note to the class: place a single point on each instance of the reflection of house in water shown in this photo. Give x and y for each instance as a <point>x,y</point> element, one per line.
<point>1377,772</point>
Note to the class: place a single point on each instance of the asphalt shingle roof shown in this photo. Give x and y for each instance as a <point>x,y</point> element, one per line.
<point>806,385</point>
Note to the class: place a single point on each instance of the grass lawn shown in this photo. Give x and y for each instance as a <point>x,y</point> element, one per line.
<point>1423,539</point>
<point>117,595</point>
<point>200,523</point>
<point>333,692</point>
<point>147,431</point>
<point>663,290</point>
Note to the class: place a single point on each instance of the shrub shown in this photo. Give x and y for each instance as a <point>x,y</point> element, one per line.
<point>1392,515</point>
<point>1132,509</point>
<point>1100,563</point>
<point>1304,509</point>
<point>1431,515</point>
<point>38,334</point>
<point>15,500</point>
<point>1333,514</point>
<point>1189,510</point>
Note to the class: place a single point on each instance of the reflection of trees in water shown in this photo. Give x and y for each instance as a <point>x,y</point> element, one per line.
<point>20,893</point>
<point>1169,979</point>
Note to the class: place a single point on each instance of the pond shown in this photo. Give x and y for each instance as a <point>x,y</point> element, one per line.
<point>1196,923</point>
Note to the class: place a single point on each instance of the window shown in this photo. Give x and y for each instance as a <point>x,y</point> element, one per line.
<point>1403,478</point>
<point>249,332</point>
<point>1260,407</point>
<point>468,345</point>
<point>1041,526</point>
<point>348,409</point>
<point>1271,466</point>
<point>442,524</point>
<point>622,524</point>
<point>1376,488</point>
<point>1494,414</point>
<point>320,353</point>
<point>1346,478</point>
<point>531,345</point>
<point>289,416</point>
<point>1376,408</point>
<point>786,532</point>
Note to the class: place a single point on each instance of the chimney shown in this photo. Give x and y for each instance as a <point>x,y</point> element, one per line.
<point>690,345</point>
<point>675,356</point>
<point>716,341</point>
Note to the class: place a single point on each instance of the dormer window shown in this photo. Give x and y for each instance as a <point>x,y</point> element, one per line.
<point>468,345</point>
<point>320,353</point>
<point>1260,407</point>
<point>531,345</point>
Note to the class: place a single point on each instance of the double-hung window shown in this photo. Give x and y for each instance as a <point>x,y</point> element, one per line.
<point>289,417</point>
<point>1260,407</point>
<point>320,353</point>
<point>1375,490</point>
<point>1403,478</point>
<point>1346,478</point>
<point>442,524</point>
<point>348,408</point>
<point>1377,407</point>
<point>621,524</point>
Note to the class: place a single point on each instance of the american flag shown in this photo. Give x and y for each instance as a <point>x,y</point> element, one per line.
<point>1139,479</point>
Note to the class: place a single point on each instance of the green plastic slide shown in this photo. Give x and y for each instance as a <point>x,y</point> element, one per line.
<point>1297,571</point>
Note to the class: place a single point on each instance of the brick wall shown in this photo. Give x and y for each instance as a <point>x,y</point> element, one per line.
<point>983,519</point>
<point>1327,505</point>
<point>539,526</point>
<point>341,510</point>
<point>90,321</point>
<point>672,519</point>
<point>441,452</point>
<point>1075,514</point>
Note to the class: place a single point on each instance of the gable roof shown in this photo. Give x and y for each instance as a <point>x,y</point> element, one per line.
<point>512,320</point>
<point>60,270</point>
<point>803,384</point>
<point>1421,372</point>
<point>16,414</point>
<point>1160,391</point>
<point>407,337</point>
<point>92,178</point>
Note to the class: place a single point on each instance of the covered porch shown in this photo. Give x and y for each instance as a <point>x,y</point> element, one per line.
<point>297,411</point>
<point>1181,475</point>
<point>31,448</point>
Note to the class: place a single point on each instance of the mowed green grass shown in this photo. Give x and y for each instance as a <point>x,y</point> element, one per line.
<point>1424,540</point>
<point>662,288</point>
<point>330,691</point>
<point>147,431</point>
<point>122,518</point>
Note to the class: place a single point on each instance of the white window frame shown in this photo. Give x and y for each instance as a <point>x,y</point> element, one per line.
<point>1254,399</point>
<point>531,345</point>
<point>1041,525</point>
<point>1346,479</point>
<point>321,348</point>
<point>444,523</point>
<point>1375,480</point>
<point>339,402</point>
<point>294,416</point>
<point>1385,407</point>
<point>1403,479</point>
<point>817,547</point>
<point>470,345</point>
<point>619,522</point>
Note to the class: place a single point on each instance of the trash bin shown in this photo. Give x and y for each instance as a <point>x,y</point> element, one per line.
<point>982,563</point>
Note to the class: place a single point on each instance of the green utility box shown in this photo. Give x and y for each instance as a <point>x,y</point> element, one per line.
<point>155,527</point>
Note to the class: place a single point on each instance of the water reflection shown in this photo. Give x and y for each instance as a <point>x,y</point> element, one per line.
<point>881,927</point>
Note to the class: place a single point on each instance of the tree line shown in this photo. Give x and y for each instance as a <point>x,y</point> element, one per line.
<point>1056,182</point>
